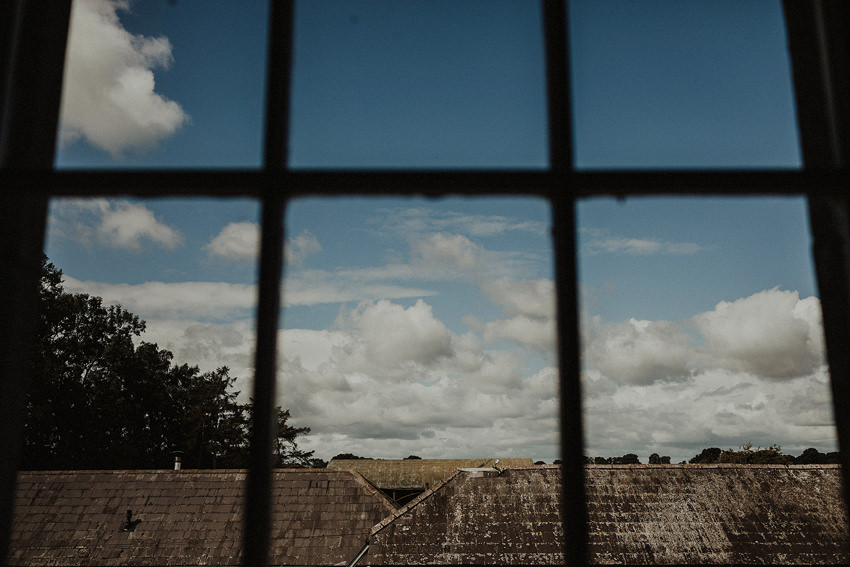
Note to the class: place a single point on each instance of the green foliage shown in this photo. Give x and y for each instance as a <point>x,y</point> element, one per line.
<point>99,401</point>
<point>746,455</point>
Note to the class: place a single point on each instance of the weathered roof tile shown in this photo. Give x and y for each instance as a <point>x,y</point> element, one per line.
<point>184,518</point>
<point>676,515</point>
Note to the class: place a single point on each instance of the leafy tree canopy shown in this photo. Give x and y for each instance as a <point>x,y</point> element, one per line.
<point>99,400</point>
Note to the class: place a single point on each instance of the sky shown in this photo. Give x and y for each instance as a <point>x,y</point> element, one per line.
<point>426,326</point>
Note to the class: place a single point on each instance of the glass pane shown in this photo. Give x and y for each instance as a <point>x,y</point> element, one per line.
<point>701,327</point>
<point>164,84</point>
<point>383,84</point>
<point>423,328</point>
<point>158,361</point>
<point>672,84</point>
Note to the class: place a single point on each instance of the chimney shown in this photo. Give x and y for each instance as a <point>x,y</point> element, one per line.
<point>177,460</point>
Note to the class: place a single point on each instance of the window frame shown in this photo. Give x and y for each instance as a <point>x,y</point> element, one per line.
<point>30,96</point>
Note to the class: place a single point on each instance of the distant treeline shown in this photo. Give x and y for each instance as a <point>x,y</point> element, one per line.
<point>745,454</point>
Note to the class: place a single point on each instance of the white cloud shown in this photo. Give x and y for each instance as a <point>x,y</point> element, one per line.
<point>750,370</point>
<point>114,223</point>
<point>200,301</point>
<point>532,298</point>
<point>719,408</point>
<point>447,252</point>
<point>238,241</point>
<point>638,352</point>
<point>108,95</point>
<point>300,247</point>
<point>599,241</point>
<point>394,341</point>
<point>405,221</point>
<point>318,287</point>
<point>772,333</point>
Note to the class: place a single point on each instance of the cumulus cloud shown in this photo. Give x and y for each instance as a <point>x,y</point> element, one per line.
<point>238,241</point>
<point>114,223</point>
<point>531,298</point>
<point>395,341</point>
<point>108,95</point>
<point>450,396</point>
<point>720,408</point>
<point>638,352</point>
<point>750,370</point>
<point>772,333</point>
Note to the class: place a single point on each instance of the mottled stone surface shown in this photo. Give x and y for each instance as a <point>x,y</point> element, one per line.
<point>413,474</point>
<point>319,517</point>
<point>638,515</point>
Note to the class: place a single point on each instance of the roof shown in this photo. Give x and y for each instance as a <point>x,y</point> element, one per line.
<point>187,517</point>
<point>638,515</point>
<point>416,474</point>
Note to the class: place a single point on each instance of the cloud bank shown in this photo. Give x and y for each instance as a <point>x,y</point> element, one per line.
<point>396,370</point>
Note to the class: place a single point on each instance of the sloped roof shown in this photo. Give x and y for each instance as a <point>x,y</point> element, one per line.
<point>74,518</point>
<point>416,474</point>
<point>638,515</point>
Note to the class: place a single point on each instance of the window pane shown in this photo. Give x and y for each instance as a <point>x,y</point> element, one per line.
<point>673,84</point>
<point>112,393</point>
<point>418,84</point>
<point>164,84</point>
<point>701,327</point>
<point>424,328</point>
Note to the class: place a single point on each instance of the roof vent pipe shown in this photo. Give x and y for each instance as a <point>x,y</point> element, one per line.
<point>177,461</point>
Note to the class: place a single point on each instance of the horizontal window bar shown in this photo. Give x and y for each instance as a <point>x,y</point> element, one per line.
<point>233,183</point>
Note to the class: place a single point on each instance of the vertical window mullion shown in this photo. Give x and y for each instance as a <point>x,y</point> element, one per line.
<point>574,512</point>
<point>259,483</point>
<point>30,93</point>
<point>820,58</point>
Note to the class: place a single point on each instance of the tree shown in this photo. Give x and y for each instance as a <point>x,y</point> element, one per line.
<point>746,455</point>
<point>100,401</point>
<point>710,455</point>
<point>348,457</point>
<point>627,459</point>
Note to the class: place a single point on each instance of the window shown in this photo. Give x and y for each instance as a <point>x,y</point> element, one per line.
<point>31,65</point>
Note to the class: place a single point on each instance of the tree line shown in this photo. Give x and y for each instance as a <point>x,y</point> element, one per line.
<point>101,398</point>
<point>745,454</point>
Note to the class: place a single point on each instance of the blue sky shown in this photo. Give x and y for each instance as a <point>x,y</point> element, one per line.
<point>426,327</point>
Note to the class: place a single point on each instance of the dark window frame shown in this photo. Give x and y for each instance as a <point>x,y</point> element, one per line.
<point>29,103</point>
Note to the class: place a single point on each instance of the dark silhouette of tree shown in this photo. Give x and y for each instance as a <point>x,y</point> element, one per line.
<point>812,456</point>
<point>348,457</point>
<point>710,455</point>
<point>412,457</point>
<point>746,455</point>
<point>99,401</point>
<point>627,459</point>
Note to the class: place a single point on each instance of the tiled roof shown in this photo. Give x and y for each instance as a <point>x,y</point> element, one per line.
<point>74,518</point>
<point>638,515</point>
<point>416,474</point>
